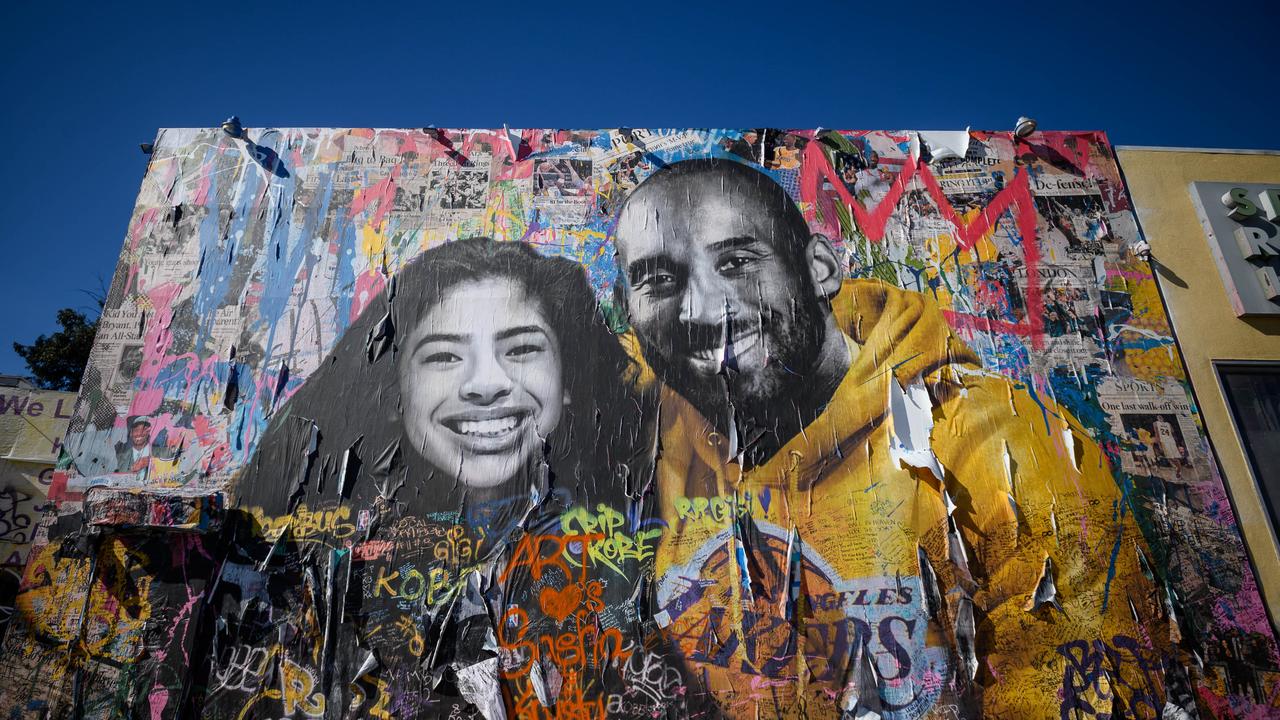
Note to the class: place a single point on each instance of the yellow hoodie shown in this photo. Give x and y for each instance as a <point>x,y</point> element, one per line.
<point>837,575</point>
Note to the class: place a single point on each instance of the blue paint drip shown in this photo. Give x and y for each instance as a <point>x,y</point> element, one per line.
<point>214,277</point>
<point>281,269</point>
<point>1147,344</point>
<point>1111,571</point>
<point>1045,412</point>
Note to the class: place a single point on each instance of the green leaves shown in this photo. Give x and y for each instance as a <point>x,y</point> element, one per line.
<point>57,361</point>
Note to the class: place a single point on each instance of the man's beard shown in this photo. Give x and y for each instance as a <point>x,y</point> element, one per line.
<point>762,397</point>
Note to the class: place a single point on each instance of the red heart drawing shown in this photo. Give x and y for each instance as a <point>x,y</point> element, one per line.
<point>561,603</point>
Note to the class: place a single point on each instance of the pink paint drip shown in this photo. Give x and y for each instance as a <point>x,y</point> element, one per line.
<point>158,339</point>
<point>1138,275</point>
<point>158,699</point>
<point>368,285</point>
<point>146,220</point>
<point>205,183</point>
<point>382,194</point>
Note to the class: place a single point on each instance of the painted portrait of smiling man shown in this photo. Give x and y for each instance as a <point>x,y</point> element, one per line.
<point>726,295</point>
<point>785,389</point>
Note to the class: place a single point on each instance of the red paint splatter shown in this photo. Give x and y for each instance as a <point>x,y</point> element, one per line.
<point>380,195</point>
<point>1015,196</point>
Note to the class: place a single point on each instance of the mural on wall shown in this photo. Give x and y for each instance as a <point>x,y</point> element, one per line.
<point>631,423</point>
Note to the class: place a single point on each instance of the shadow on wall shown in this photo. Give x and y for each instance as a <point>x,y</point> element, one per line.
<point>1264,325</point>
<point>1166,273</point>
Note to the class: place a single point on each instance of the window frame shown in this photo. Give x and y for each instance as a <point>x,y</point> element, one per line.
<point>1222,368</point>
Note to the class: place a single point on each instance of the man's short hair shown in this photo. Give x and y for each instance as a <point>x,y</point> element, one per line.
<point>771,195</point>
<point>137,420</point>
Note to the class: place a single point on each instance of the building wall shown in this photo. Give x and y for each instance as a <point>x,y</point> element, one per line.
<point>335,455</point>
<point>1206,326</point>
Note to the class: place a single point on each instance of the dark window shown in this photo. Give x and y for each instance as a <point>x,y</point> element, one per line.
<point>1253,394</point>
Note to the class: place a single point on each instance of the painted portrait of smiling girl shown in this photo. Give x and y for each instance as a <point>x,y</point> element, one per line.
<point>484,371</point>
<point>477,400</point>
<point>489,372</point>
<point>481,382</point>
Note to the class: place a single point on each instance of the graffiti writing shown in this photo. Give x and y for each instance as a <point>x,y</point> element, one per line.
<point>614,546</point>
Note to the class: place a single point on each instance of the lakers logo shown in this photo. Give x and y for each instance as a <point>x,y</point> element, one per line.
<point>765,614</point>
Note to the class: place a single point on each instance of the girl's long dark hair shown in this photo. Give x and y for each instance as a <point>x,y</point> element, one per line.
<point>355,401</point>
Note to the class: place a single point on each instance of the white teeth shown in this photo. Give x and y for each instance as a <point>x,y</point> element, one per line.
<point>488,428</point>
<point>717,354</point>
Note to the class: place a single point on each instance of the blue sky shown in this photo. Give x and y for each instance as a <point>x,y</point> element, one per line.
<point>83,85</point>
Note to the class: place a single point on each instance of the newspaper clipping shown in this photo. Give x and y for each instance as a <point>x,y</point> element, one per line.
<point>1155,425</point>
<point>456,193</point>
<point>118,351</point>
<point>1073,217</point>
<point>1068,295</point>
<point>562,190</point>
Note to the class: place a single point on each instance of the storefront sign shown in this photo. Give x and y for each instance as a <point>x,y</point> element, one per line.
<point>1243,224</point>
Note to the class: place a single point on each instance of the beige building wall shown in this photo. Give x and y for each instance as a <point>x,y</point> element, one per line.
<point>1207,327</point>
